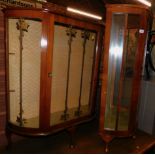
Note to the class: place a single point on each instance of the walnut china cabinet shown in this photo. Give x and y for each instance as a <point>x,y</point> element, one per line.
<point>52,71</point>
<point>125,38</point>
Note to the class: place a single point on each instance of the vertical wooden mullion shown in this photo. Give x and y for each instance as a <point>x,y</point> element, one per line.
<point>105,70</point>
<point>45,82</point>
<point>50,62</point>
<point>95,70</point>
<point>6,36</point>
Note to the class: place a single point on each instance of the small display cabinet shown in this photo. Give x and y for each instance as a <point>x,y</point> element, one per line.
<point>125,40</point>
<point>52,71</point>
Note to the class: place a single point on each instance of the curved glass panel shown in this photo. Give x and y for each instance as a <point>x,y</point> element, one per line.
<point>71,73</point>
<point>24,36</point>
<point>122,57</point>
<point>114,69</point>
<point>129,58</point>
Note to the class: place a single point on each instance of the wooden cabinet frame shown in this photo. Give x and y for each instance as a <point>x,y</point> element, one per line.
<point>48,19</point>
<point>108,135</point>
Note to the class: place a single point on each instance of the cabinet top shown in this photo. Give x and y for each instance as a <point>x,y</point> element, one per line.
<point>127,6</point>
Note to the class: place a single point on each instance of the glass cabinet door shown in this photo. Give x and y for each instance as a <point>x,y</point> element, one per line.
<point>24,59</point>
<point>72,66</point>
<point>128,73</point>
<point>122,58</point>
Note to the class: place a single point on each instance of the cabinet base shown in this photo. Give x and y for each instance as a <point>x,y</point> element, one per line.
<point>107,138</point>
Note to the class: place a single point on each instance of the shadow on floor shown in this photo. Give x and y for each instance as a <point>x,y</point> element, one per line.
<point>86,138</point>
<point>87,141</point>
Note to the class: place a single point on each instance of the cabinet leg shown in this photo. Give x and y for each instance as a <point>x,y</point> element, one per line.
<point>9,139</point>
<point>106,147</point>
<point>107,139</point>
<point>134,137</point>
<point>72,137</point>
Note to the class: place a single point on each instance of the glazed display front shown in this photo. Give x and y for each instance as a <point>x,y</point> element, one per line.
<point>51,76</point>
<point>24,59</point>
<point>122,54</point>
<point>125,38</point>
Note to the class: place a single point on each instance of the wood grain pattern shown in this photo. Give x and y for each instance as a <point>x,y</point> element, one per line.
<point>47,34</point>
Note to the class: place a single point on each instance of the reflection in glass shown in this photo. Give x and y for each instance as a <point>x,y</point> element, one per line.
<point>24,71</point>
<point>122,57</point>
<point>114,70</point>
<point>70,86</point>
<point>128,70</point>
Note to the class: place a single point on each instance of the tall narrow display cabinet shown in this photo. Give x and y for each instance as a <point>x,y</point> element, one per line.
<point>51,71</point>
<point>125,40</point>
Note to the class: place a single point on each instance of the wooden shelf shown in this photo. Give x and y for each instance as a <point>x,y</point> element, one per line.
<point>55,118</point>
